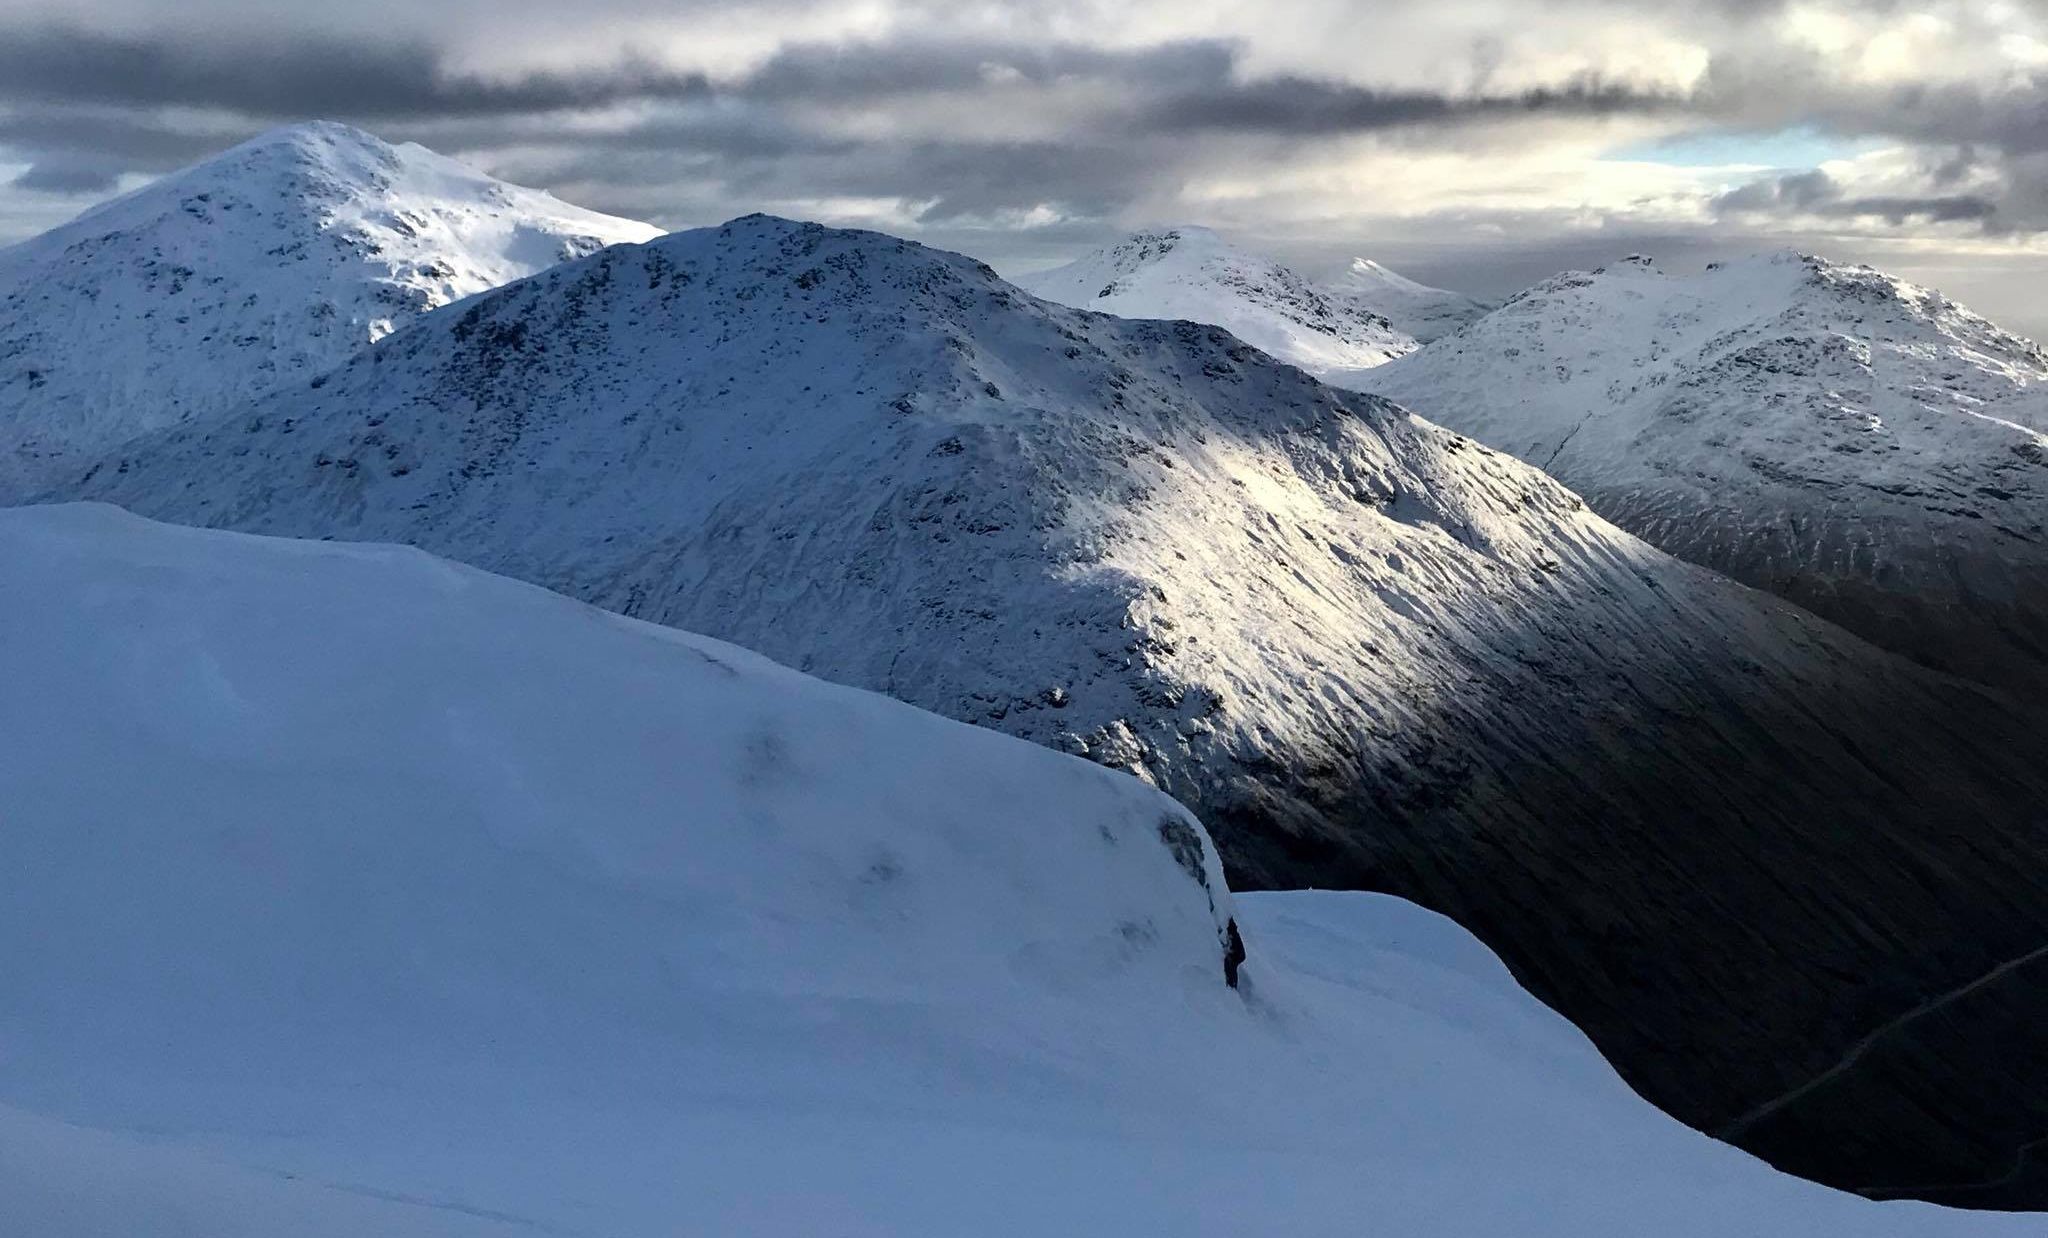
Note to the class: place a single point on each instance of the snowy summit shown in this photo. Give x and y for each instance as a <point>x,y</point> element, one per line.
<point>269,262</point>
<point>1194,274</point>
<point>1423,312</point>
<point>1860,445</point>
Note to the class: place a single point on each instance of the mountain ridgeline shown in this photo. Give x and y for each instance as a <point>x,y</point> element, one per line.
<point>1862,446</point>
<point>1193,273</point>
<point>1727,839</point>
<point>269,262</point>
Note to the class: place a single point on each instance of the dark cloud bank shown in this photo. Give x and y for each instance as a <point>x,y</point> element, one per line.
<point>81,106</point>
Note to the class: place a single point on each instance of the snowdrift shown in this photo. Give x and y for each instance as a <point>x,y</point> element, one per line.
<point>352,891</point>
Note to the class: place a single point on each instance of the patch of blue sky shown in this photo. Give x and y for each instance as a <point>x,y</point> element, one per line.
<point>1793,148</point>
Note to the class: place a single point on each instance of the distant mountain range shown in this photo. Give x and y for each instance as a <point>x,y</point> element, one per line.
<point>1368,317</point>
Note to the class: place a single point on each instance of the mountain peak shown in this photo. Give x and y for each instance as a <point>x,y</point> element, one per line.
<point>1194,273</point>
<point>339,159</point>
<point>1365,269</point>
<point>277,257</point>
<point>1859,444</point>
<point>310,136</point>
<point>1422,311</point>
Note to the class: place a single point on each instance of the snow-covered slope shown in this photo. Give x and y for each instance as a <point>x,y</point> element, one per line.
<point>351,892</point>
<point>1194,274</point>
<point>1367,651</point>
<point>1862,446</point>
<point>1416,309</point>
<point>270,262</point>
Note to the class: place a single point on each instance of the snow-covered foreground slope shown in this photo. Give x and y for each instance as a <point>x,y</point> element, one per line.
<point>1862,446</point>
<point>269,262</point>
<point>351,891</point>
<point>1727,839</point>
<point>1194,274</point>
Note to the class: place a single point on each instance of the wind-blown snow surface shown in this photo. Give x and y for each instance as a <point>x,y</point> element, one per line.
<point>1724,837</point>
<point>1862,446</point>
<point>270,262</point>
<point>1194,274</point>
<point>351,891</point>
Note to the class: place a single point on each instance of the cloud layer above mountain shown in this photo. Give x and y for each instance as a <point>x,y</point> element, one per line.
<point>1481,142</point>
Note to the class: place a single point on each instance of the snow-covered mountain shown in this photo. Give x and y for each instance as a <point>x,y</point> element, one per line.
<point>270,262</point>
<point>363,893</point>
<point>1416,309</point>
<point>1726,838</point>
<point>1194,274</point>
<point>1860,445</point>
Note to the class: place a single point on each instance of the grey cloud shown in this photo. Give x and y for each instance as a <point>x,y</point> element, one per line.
<point>1948,208</point>
<point>1795,191</point>
<point>78,103</point>
<point>1186,85</point>
<point>868,71</point>
<point>277,77</point>
<point>1297,106</point>
<point>132,142</point>
<point>68,175</point>
<point>1183,86</point>
<point>1772,89</point>
<point>1817,193</point>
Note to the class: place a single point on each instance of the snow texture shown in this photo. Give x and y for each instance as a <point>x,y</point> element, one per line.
<point>1367,651</point>
<point>268,263</point>
<point>1423,312</point>
<point>353,891</point>
<point>1194,274</point>
<point>1857,444</point>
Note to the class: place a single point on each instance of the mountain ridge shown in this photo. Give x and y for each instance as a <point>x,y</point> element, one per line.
<point>1863,446</point>
<point>272,260</point>
<point>1428,314</point>
<point>1193,273</point>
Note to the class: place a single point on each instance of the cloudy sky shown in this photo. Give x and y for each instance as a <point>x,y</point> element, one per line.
<point>1481,144</point>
